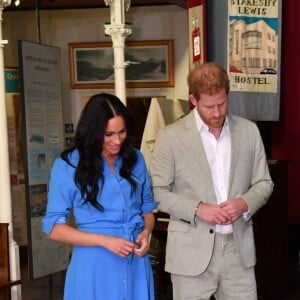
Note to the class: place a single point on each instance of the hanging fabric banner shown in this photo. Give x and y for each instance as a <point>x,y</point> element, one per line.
<point>253,45</point>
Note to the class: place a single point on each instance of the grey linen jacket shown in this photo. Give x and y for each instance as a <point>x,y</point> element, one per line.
<point>181,178</point>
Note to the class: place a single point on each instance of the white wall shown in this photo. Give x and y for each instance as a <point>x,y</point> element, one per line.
<point>60,27</point>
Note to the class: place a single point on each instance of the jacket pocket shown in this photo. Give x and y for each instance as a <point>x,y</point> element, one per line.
<point>177,226</point>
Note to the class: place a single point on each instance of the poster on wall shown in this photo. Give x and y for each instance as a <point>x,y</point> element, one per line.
<point>253,46</point>
<point>43,142</point>
<point>16,164</point>
<point>196,19</point>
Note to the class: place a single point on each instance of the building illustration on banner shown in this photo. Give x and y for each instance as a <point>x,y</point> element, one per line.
<point>252,46</point>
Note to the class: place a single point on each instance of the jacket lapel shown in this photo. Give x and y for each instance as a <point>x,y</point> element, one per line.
<point>196,148</point>
<point>235,136</point>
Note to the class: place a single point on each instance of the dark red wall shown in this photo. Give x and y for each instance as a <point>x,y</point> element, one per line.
<point>286,132</point>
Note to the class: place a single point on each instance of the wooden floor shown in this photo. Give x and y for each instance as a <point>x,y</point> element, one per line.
<point>51,287</point>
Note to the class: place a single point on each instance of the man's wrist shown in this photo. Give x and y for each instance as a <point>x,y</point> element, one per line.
<point>196,209</point>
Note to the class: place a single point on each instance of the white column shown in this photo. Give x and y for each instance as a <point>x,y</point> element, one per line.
<point>118,31</point>
<point>5,192</point>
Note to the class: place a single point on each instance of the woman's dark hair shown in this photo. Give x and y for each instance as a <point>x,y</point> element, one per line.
<point>88,140</point>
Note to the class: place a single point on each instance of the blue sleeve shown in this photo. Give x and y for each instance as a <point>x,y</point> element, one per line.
<point>147,196</point>
<point>61,189</point>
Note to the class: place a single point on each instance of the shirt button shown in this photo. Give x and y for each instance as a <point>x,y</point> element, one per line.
<point>211,230</point>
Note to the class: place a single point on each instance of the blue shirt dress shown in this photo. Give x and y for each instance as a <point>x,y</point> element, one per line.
<point>95,273</point>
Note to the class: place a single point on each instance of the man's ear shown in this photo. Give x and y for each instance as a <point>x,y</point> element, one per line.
<point>193,100</point>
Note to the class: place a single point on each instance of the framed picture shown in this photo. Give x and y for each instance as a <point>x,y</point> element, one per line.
<point>150,64</point>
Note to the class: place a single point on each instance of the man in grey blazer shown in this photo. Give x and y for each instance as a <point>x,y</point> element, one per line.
<point>210,174</point>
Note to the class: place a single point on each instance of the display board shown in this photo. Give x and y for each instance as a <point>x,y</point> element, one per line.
<point>43,141</point>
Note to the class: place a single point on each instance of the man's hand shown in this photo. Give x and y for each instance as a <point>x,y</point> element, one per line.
<point>234,207</point>
<point>213,214</point>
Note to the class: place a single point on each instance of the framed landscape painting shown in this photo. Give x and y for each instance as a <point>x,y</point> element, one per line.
<point>148,64</point>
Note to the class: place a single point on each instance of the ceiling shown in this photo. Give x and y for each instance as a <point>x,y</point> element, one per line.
<point>77,4</point>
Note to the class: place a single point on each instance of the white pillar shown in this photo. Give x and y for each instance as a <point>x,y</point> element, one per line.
<point>5,192</point>
<point>118,31</point>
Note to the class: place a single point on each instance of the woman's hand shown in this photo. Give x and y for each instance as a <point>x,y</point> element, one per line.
<point>120,246</point>
<point>142,243</point>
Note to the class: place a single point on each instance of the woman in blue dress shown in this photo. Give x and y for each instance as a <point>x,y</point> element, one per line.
<point>103,181</point>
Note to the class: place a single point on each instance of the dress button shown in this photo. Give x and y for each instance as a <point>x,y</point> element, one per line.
<point>211,231</point>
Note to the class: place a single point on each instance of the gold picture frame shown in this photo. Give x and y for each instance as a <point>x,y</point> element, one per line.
<point>150,65</point>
